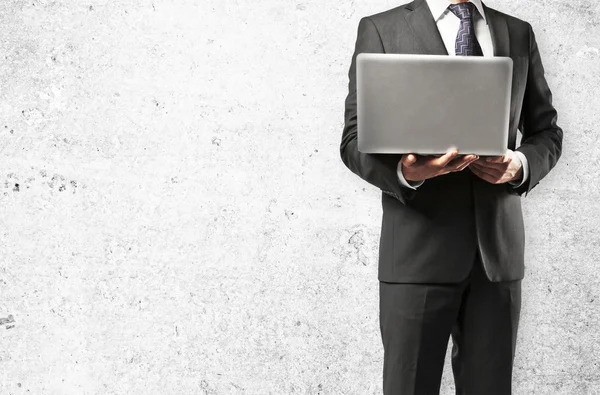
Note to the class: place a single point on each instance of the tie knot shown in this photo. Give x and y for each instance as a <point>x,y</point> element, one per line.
<point>462,10</point>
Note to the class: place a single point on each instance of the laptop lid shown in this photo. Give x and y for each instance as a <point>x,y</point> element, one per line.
<point>426,104</point>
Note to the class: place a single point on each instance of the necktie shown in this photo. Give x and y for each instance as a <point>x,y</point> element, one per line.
<point>466,42</point>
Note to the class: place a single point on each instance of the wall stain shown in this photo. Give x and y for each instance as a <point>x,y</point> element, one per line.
<point>8,320</point>
<point>289,214</point>
<point>56,182</point>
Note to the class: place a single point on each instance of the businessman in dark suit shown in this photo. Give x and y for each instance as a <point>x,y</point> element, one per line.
<point>452,237</point>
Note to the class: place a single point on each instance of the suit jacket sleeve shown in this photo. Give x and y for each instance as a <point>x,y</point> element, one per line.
<point>541,142</point>
<point>379,170</point>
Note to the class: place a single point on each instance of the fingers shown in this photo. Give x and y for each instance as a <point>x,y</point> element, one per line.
<point>500,163</point>
<point>468,160</point>
<point>498,159</point>
<point>482,175</point>
<point>491,165</point>
<point>461,163</point>
<point>428,166</point>
<point>489,175</point>
<point>492,172</point>
<point>443,160</point>
<point>409,159</point>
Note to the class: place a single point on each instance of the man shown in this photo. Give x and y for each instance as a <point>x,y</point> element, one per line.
<point>452,239</point>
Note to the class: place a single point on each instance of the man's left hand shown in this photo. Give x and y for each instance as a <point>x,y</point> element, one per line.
<point>498,169</point>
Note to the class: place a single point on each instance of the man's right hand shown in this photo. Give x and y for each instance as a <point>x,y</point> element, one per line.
<point>421,167</point>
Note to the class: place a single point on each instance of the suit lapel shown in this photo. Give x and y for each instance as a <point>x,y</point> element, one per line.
<point>498,31</point>
<point>424,28</point>
<point>502,47</point>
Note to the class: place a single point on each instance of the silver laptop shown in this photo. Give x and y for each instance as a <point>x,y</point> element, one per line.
<point>426,104</point>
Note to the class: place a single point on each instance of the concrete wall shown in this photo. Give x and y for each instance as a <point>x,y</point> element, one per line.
<point>175,217</point>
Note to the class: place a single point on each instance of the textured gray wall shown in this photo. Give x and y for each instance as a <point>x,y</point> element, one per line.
<point>175,217</point>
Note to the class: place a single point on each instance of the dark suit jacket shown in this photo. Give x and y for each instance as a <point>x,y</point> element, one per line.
<point>431,235</point>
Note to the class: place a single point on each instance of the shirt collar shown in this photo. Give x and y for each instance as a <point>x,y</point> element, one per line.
<point>438,7</point>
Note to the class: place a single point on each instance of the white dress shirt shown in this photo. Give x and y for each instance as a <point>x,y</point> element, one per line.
<point>448,25</point>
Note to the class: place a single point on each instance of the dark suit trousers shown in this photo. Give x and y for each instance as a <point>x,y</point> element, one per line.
<point>416,321</point>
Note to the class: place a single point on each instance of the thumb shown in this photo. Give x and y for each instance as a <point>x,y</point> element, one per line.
<point>409,160</point>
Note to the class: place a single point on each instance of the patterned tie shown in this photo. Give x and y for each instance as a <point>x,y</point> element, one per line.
<point>466,42</point>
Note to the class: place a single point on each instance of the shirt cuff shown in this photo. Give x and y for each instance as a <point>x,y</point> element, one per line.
<point>404,182</point>
<point>525,168</point>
